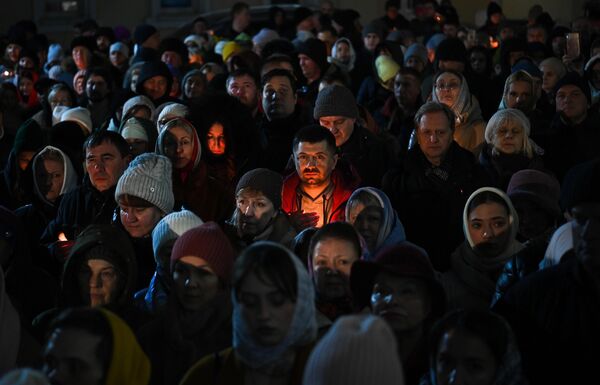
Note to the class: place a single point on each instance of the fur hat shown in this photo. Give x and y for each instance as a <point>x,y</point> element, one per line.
<point>335,100</point>
<point>148,177</point>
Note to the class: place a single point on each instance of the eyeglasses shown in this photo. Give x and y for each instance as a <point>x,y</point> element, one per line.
<point>447,86</point>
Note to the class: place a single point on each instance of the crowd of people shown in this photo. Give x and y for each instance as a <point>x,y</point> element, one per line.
<point>304,200</point>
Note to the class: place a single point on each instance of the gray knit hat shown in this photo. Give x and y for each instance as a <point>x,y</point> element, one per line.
<point>335,100</point>
<point>358,349</point>
<point>148,177</point>
<point>264,180</point>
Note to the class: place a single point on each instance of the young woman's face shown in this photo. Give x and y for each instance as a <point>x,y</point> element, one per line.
<point>56,176</point>
<point>194,282</point>
<point>464,358</point>
<point>215,139</point>
<point>489,228</point>
<point>447,88</point>
<point>99,282</point>
<point>266,310</point>
<point>179,146</point>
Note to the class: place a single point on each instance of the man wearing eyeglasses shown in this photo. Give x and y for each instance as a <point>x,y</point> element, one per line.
<point>335,109</point>
<point>317,193</point>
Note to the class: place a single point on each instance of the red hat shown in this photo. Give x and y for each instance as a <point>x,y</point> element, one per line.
<point>210,243</point>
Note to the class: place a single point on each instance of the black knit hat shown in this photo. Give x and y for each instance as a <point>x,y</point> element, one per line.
<point>151,69</point>
<point>264,180</point>
<point>143,32</point>
<point>451,49</point>
<point>573,78</point>
<point>335,100</point>
<point>29,137</point>
<point>175,45</point>
<point>373,27</point>
<point>581,184</point>
<point>301,14</point>
<point>316,50</point>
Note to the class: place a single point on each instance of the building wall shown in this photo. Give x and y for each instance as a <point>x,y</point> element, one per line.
<point>133,12</point>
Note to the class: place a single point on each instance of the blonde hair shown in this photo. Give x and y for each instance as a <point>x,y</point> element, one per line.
<point>506,116</point>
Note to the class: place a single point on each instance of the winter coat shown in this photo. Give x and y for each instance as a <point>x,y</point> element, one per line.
<point>430,200</point>
<point>179,338</point>
<point>290,201</point>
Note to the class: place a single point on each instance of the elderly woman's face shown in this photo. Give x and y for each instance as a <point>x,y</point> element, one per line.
<point>509,137</point>
<point>549,78</point>
<point>447,88</point>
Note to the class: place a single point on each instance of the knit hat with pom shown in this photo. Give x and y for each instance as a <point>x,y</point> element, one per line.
<point>210,243</point>
<point>148,177</point>
<point>357,349</point>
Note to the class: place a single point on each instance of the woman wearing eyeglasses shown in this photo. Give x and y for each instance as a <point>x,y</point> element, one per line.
<point>451,89</point>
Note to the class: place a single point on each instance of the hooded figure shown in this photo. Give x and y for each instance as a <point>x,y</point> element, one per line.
<point>152,69</point>
<point>140,133</point>
<point>366,202</point>
<point>193,188</point>
<point>347,59</point>
<point>470,127</point>
<point>53,176</point>
<point>490,225</point>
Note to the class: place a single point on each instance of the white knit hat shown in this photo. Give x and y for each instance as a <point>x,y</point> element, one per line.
<point>139,100</point>
<point>358,349</point>
<point>149,177</point>
<point>173,226</point>
<point>172,110</point>
<point>79,115</point>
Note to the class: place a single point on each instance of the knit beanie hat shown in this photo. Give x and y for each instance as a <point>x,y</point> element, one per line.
<point>538,187</point>
<point>301,14</point>
<point>451,49</point>
<point>316,50</point>
<point>573,78</point>
<point>140,100</point>
<point>118,46</point>
<point>357,350</point>
<point>143,32</point>
<point>335,100</point>
<point>373,27</point>
<point>229,49</point>
<point>418,50</point>
<point>29,137</point>
<point>173,226</point>
<point>210,243</point>
<point>386,67</point>
<point>172,110</point>
<point>133,129</point>
<point>79,115</point>
<point>148,177</point>
<point>264,180</point>
<point>435,40</point>
<point>264,36</point>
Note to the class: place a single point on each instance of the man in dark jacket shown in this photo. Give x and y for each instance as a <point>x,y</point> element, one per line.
<point>317,193</point>
<point>430,188</point>
<point>258,214</point>
<point>555,312</point>
<point>106,157</point>
<point>336,110</point>
<point>283,117</point>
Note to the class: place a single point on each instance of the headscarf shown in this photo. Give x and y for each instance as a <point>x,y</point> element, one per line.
<point>513,246</point>
<point>303,328</point>
<point>332,59</point>
<point>39,172</point>
<point>391,230</point>
<point>501,117</point>
<point>129,364</point>
<point>139,100</point>
<point>465,107</point>
<point>196,152</point>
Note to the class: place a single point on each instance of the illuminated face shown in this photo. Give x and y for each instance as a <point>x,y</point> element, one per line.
<point>519,96</point>
<point>25,86</point>
<point>139,221</point>
<point>509,137</point>
<point>332,260</point>
<point>244,88</point>
<point>254,212</point>
<point>99,282</point>
<point>179,146</point>
<point>340,126</point>
<point>314,163</point>
<point>13,51</point>
<point>489,228</point>
<point>434,136</point>
<point>155,87</point>
<point>81,57</point>
<point>105,165</point>
<point>447,88</point>
<point>23,159</point>
<point>215,139</point>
